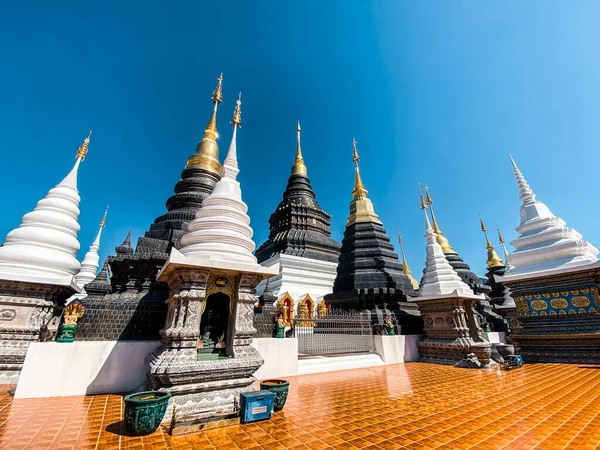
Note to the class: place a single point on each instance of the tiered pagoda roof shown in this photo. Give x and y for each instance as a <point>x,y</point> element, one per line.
<point>369,273</point>
<point>299,226</point>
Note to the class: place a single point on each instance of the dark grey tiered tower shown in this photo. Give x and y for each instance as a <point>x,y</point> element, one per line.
<point>134,307</point>
<point>369,273</point>
<point>299,226</point>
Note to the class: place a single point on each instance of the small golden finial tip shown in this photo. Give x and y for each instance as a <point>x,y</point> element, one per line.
<point>298,128</point>
<point>103,221</point>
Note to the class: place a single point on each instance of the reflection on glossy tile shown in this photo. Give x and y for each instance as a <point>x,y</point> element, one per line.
<point>410,406</point>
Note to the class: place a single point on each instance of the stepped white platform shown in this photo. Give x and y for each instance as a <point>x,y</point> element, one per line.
<point>318,364</point>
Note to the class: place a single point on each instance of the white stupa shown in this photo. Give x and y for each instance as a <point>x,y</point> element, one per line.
<point>220,236</point>
<point>44,247</point>
<point>545,244</point>
<point>440,279</point>
<point>91,260</point>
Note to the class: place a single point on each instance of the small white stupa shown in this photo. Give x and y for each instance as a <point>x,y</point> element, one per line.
<point>545,244</point>
<point>90,264</point>
<point>220,236</point>
<point>44,247</point>
<point>439,278</point>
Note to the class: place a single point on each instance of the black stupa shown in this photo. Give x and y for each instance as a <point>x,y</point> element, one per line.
<point>369,274</point>
<point>299,226</point>
<point>135,306</point>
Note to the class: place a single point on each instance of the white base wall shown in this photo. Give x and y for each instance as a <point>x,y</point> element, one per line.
<point>397,349</point>
<point>280,355</point>
<point>54,369</point>
<point>496,337</point>
<point>300,276</point>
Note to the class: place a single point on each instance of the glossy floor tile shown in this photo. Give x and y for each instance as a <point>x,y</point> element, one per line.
<point>404,406</point>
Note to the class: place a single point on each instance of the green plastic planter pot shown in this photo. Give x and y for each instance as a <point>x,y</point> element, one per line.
<point>278,387</point>
<point>144,411</point>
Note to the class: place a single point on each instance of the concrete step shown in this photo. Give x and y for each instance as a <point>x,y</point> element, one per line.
<point>318,364</point>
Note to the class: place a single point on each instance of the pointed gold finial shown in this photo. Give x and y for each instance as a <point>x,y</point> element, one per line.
<point>359,188</point>
<point>361,208</point>
<point>442,240</point>
<point>423,204</point>
<point>217,98</point>
<point>500,237</point>
<point>299,168</point>
<point>237,113</point>
<point>405,268</point>
<point>103,221</point>
<point>82,151</point>
<point>493,260</point>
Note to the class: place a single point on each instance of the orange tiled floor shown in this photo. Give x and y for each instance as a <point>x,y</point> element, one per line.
<point>411,406</point>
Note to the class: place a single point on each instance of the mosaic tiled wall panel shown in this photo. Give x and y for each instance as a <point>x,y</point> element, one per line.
<point>558,303</point>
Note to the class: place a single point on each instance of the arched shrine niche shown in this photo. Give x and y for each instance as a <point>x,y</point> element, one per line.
<point>287,304</point>
<point>217,310</point>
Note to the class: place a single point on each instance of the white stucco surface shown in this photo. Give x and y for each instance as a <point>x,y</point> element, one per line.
<point>54,369</point>
<point>280,355</point>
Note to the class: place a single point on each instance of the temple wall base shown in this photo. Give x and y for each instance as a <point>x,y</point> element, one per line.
<point>29,312</point>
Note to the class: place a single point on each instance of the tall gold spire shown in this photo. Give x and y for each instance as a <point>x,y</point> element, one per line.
<point>237,113</point>
<point>207,151</point>
<point>361,208</point>
<point>359,188</point>
<point>299,168</point>
<point>442,240</point>
<point>103,221</point>
<point>82,151</point>
<point>493,260</point>
<point>405,269</point>
<point>217,98</point>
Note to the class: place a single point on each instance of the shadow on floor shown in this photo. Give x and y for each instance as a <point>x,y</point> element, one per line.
<point>117,428</point>
<point>590,366</point>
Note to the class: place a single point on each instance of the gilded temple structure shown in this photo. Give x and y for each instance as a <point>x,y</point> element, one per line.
<point>554,280</point>
<point>38,269</point>
<point>300,243</point>
<point>369,274</point>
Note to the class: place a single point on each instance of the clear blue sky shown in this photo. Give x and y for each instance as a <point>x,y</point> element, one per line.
<point>437,92</point>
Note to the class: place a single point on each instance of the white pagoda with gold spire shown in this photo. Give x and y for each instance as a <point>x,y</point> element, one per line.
<point>453,334</point>
<point>206,359</point>
<point>38,265</point>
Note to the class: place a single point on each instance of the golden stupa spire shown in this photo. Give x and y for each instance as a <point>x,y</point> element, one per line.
<point>237,113</point>
<point>82,151</point>
<point>361,208</point>
<point>405,268</point>
<point>103,221</point>
<point>217,98</point>
<point>436,229</point>
<point>299,168</point>
<point>359,188</point>
<point>207,150</point>
<point>493,260</point>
